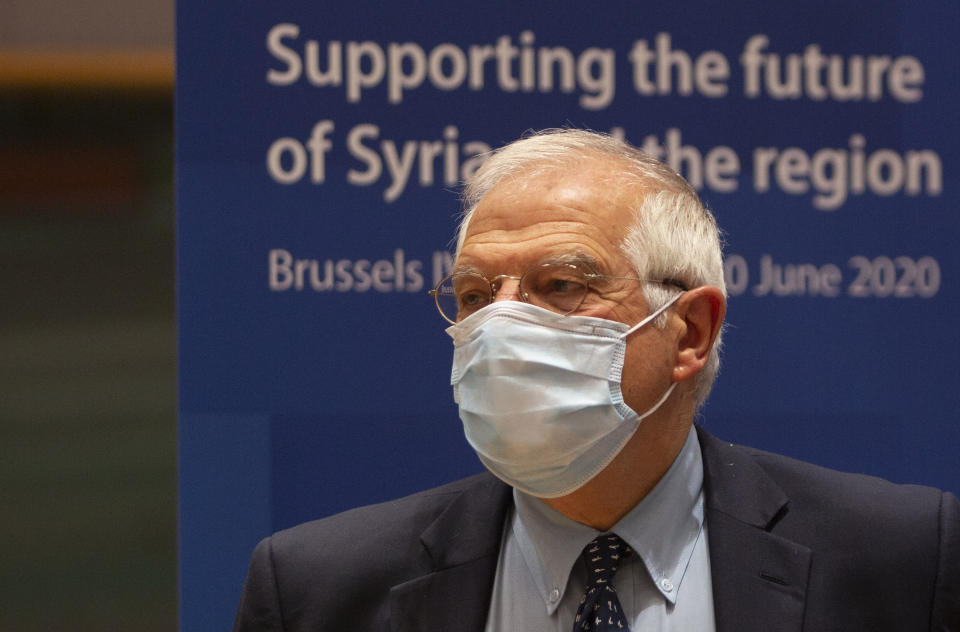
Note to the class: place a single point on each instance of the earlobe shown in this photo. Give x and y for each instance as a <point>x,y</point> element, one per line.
<point>701,311</point>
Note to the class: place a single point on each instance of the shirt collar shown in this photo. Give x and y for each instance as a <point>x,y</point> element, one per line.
<point>662,530</point>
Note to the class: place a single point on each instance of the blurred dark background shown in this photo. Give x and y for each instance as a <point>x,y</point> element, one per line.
<point>87,336</point>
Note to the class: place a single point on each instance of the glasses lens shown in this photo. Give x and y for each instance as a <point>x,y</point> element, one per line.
<point>560,287</point>
<point>461,294</point>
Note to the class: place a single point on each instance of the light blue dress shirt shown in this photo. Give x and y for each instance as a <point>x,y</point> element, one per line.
<point>664,585</point>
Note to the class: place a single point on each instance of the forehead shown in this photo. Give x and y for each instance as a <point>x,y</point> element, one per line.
<point>583,207</point>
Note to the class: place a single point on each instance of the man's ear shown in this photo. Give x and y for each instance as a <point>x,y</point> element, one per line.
<point>701,312</point>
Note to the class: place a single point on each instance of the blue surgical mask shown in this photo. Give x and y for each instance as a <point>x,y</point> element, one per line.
<point>540,396</point>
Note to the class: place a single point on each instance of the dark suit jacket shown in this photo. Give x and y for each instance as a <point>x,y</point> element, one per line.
<point>792,547</point>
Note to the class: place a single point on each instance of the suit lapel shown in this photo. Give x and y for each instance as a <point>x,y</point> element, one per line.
<point>464,545</point>
<point>759,578</point>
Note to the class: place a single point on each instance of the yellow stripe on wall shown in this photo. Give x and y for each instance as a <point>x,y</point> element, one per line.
<point>127,68</point>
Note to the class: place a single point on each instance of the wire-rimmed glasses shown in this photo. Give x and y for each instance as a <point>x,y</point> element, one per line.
<point>558,287</point>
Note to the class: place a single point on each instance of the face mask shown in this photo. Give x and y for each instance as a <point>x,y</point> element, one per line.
<point>539,394</point>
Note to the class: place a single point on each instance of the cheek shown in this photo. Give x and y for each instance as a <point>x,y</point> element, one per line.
<point>647,371</point>
<point>600,308</point>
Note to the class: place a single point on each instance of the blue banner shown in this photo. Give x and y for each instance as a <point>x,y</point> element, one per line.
<point>320,147</point>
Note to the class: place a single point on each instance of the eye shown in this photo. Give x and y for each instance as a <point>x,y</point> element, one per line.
<point>558,281</point>
<point>559,285</point>
<point>560,288</point>
<point>471,292</point>
<point>472,299</point>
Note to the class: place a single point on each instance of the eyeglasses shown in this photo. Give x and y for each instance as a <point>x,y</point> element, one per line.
<point>558,287</point>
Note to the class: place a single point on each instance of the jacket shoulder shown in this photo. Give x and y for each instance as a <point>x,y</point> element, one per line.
<point>863,497</point>
<point>298,577</point>
<point>387,531</point>
<point>880,555</point>
<point>811,492</point>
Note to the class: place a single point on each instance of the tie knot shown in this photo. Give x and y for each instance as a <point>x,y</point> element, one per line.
<point>602,556</point>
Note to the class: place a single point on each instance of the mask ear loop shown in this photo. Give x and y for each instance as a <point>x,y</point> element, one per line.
<point>653,315</point>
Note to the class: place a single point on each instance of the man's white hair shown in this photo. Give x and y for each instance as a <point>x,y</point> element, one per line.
<point>673,235</point>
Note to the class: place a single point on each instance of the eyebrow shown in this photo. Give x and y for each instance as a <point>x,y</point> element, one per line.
<point>466,269</point>
<point>575,258</point>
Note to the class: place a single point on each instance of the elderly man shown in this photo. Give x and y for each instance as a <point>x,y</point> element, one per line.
<point>585,307</point>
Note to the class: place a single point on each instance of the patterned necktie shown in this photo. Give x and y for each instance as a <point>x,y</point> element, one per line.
<point>600,609</point>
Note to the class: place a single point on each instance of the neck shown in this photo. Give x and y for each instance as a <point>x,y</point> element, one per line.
<point>623,484</point>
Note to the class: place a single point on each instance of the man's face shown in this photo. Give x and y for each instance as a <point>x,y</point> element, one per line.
<point>579,212</point>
